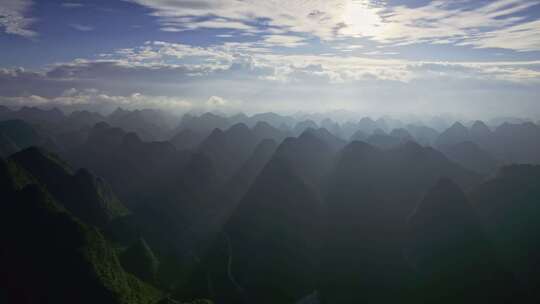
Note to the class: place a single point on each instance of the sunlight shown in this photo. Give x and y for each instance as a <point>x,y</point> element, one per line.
<point>362,18</point>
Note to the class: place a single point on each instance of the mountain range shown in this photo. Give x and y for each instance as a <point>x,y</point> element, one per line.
<point>143,207</point>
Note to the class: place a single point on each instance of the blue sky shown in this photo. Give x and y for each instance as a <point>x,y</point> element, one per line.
<point>475,58</point>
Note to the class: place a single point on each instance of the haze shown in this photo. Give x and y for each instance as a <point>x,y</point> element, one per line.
<point>478,59</point>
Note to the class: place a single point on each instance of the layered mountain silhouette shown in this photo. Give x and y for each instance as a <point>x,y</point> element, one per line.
<point>454,258</point>
<point>508,205</point>
<point>50,256</point>
<point>140,206</point>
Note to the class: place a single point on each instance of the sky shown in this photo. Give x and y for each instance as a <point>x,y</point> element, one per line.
<point>476,58</point>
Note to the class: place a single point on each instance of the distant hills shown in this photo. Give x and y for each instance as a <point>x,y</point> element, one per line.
<point>142,207</point>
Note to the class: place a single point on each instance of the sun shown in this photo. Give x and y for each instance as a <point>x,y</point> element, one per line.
<point>361,19</point>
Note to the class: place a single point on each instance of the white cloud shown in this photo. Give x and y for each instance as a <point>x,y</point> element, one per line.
<point>284,41</point>
<point>499,23</point>
<point>98,100</point>
<point>14,17</point>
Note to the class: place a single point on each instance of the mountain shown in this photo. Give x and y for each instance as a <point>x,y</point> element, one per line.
<point>229,149</point>
<point>361,249</point>
<point>332,127</point>
<point>150,125</point>
<point>302,126</point>
<point>402,134</point>
<point>186,139</point>
<point>471,156</point>
<point>238,185</point>
<point>383,141</point>
<point>139,260</point>
<point>273,119</point>
<point>85,196</point>
<point>425,136</point>
<point>311,157</point>
<point>7,146</point>
<point>367,125</point>
<point>359,136</point>
<point>479,131</point>
<point>456,134</point>
<point>451,253</point>
<point>333,141</point>
<point>203,124</point>
<point>264,130</point>
<point>267,252</point>
<point>508,205</point>
<point>517,143</point>
<point>18,134</point>
<point>51,256</point>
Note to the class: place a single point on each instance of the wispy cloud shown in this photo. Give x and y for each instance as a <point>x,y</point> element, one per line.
<point>82,28</point>
<point>498,23</point>
<point>14,18</point>
<point>72,5</point>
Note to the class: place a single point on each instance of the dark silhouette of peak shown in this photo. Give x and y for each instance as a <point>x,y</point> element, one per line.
<point>239,129</point>
<point>471,156</point>
<point>455,134</point>
<point>517,143</point>
<point>273,119</point>
<point>423,135</point>
<point>379,131</point>
<point>402,134</point>
<point>445,200</point>
<point>264,130</point>
<point>132,139</point>
<point>19,134</point>
<point>323,134</point>
<point>278,201</point>
<point>150,125</point>
<point>383,141</point>
<point>141,261</point>
<point>203,124</point>
<point>103,135</point>
<point>52,256</point>
<point>229,149</point>
<point>359,135</point>
<point>367,125</point>
<point>4,109</point>
<point>244,177</point>
<point>85,196</point>
<point>7,146</point>
<point>411,148</point>
<point>309,155</point>
<point>451,252</point>
<point>302,126</point>
<point>34,114</point>
<point>186,139</point>
<point>357,150</point>
<point>119,112</point>
<point>362,248</point>
<point>101,125</point>
<point>382,124</point>
<point>332,127</point>
<point>508,204</point>
<point>479,129</point>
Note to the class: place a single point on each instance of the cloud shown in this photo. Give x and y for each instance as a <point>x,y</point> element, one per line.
<point>96,100</point>
<point>72,5</point>
<point>246,77</point>
<point>487,24</point>
<point>82,28</point>
<point>499,23</point>
<point>14,18</point>
<point>283,41</point>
